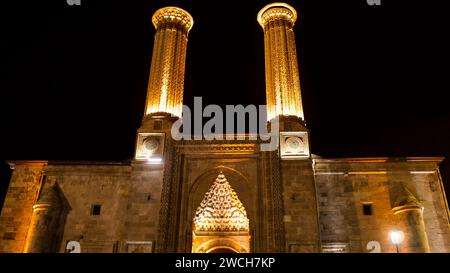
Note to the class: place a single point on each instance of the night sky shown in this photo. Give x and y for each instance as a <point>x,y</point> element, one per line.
<point>73,83</point>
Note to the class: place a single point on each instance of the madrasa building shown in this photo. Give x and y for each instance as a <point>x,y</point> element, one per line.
<point>198,195</point>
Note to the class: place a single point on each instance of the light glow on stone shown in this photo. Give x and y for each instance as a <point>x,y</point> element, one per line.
<point>397,237</point>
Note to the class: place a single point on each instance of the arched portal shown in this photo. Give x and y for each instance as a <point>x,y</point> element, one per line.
<point>220,223</point>
<point>222,249</point>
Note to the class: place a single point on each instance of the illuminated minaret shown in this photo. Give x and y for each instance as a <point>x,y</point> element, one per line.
<point>165,85</point>
<point>282,77</point>
<point>164,102</point>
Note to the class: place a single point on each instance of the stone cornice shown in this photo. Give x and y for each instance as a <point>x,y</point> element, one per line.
<point>378,160</point>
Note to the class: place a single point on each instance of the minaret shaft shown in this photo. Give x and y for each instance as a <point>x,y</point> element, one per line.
<point>166,81</point>
<point>282,77</point>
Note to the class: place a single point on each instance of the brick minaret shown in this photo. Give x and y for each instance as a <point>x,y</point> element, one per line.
<point>165,85</point>
<point>282,76</point>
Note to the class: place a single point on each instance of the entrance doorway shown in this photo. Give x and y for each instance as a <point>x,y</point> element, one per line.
<point>222,250</point>
<point>220,224</point>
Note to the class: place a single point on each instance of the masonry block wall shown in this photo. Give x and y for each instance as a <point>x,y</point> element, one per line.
<point>300,206</point>
<point>344,187</point>
<point>328,205</point>
<point>18,205</point>
<point>86,186</point>
<point>128,203</point>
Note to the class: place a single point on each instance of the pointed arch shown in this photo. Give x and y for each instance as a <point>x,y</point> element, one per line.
<point>220,221</point>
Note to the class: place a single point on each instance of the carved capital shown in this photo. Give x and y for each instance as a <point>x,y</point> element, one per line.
<point>173,15</point>
<point>277,11</point>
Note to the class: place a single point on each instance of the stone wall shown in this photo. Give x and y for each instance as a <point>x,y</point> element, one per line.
<point>17,209</point>
<point>320,204</point>
<point>300,206</point>
<point>345,185</point>
<point>129,196</point>
<point>143,205</point>
<point>435,212</point>
<point>84,186</point>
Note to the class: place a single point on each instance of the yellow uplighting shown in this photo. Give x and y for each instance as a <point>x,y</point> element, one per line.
<point>154,160</point>
<point>292,14</point>
<point>221,209</point>
<point>166,81</point>
<point>397,237</point>
<point>173,14</point>
<point>282,75</point>
<point>220,222</point>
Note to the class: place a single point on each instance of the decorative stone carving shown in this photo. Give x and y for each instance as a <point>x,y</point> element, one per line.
<point>294,145</point>
<point>221,209</point>
<point>407,201</point>
<point>166,81</point>
<point>277,11</point>
<point>150,146</point>
<point>282,74</point>
<point>173,14</point>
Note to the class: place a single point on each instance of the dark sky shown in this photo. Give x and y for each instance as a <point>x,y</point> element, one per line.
<point>73,82</point>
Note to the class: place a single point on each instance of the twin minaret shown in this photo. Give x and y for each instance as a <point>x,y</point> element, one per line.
<point>282,78</point>
<point>164,102</point>
<point>165,88</point>
<point>165,85</point>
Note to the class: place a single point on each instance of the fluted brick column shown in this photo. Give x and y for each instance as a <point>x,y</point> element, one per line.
<point>166,81</point>
<point>282,75</point>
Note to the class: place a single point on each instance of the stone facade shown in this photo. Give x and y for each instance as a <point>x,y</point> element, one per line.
<point>345,185</point>
<point>17,209</point>
<point>294,201</point>
<point>319,202</point>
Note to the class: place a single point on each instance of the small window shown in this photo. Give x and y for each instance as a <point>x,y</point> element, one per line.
<point>96,209</point>
<point>367,209</point>
<point>157,125</point>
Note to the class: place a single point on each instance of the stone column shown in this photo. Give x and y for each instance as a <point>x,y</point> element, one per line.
<point>43,231</point>
<point>409,218</point>
<point>166,81</point>
<point>282,76</point>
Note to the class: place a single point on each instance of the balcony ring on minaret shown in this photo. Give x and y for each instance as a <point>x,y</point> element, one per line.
<point>275,11</point>
<point>172,14</point>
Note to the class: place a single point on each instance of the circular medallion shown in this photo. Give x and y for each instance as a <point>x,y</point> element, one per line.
<point>151,144</point>
<point>295,144</point>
